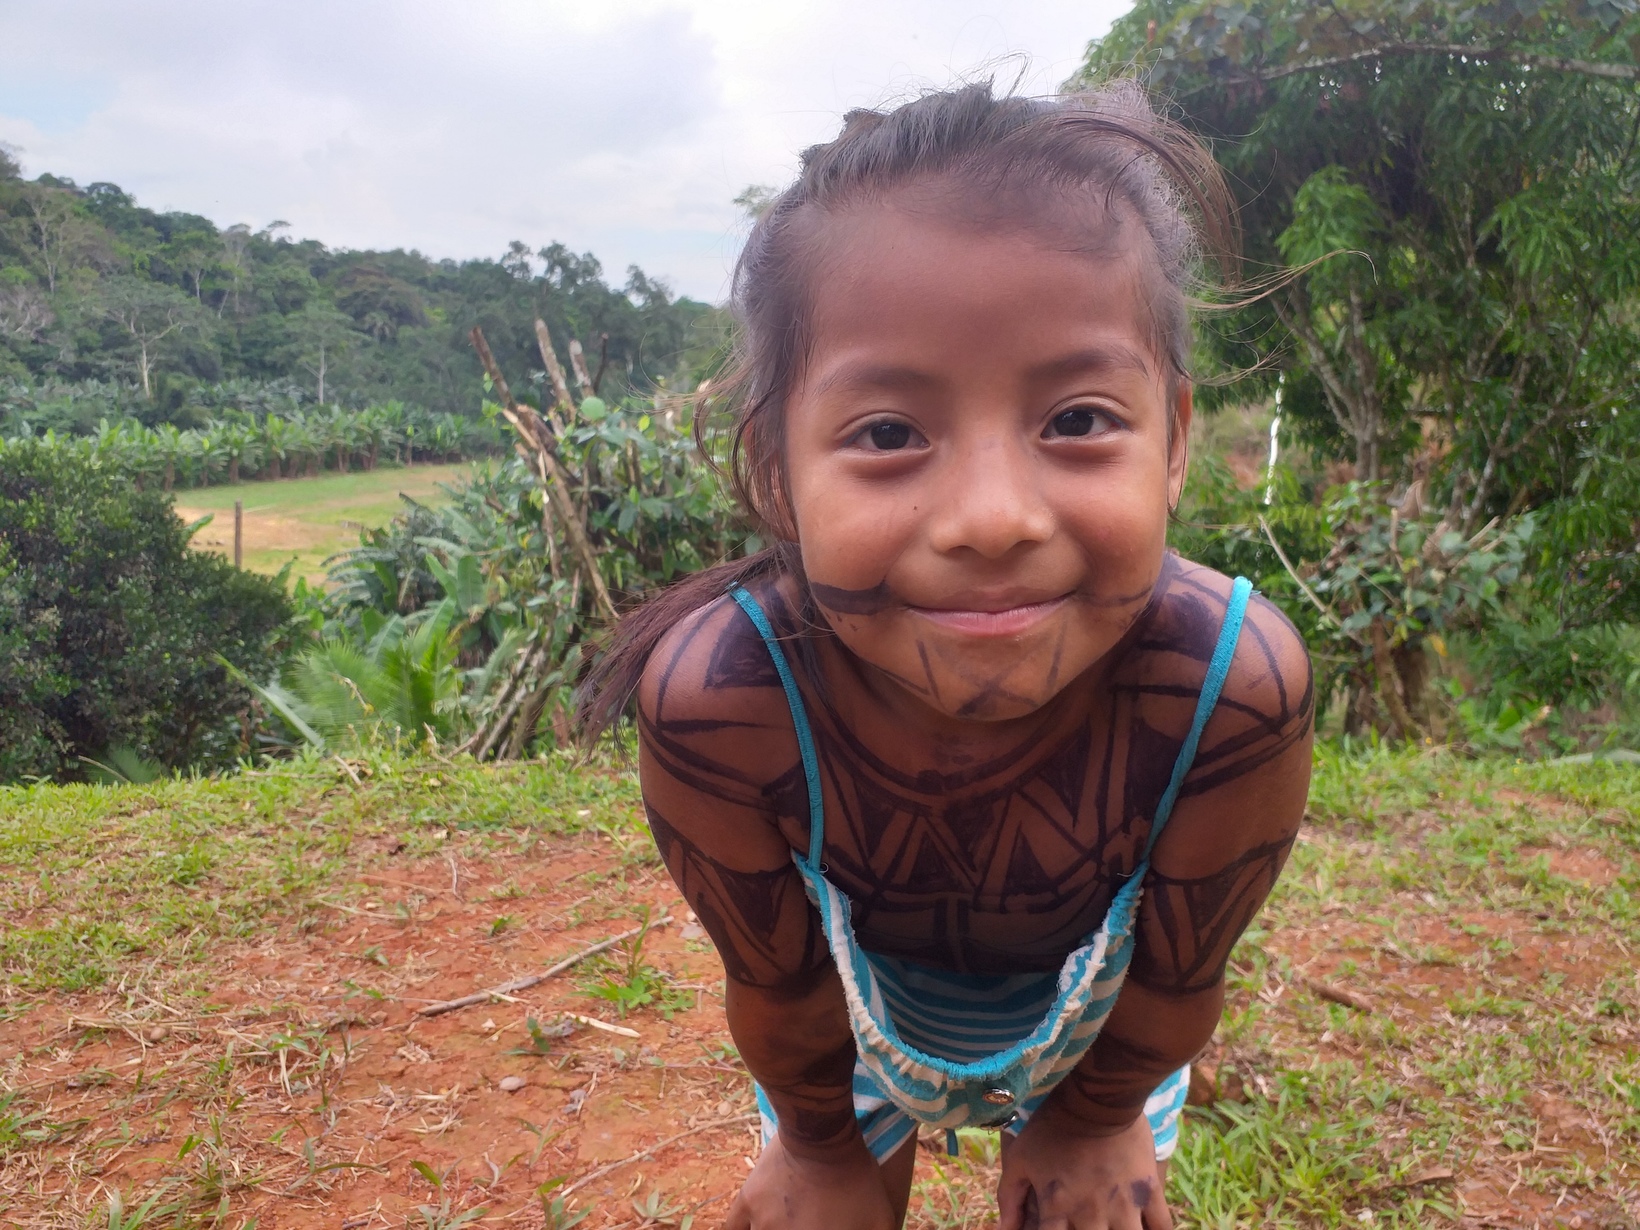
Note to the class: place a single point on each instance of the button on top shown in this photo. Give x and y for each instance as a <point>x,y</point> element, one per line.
<point>998,1096</point>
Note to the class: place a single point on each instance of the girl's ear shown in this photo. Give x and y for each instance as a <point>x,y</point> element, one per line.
<point>1178,446</point>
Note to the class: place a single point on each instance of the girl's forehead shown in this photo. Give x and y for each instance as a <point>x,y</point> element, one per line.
<point>885,275</point>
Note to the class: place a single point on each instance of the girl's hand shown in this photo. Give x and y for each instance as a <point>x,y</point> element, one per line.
<point>1057,1177</point>
<point>842,1191</point>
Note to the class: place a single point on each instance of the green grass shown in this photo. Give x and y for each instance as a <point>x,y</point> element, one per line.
<point>94,879</point>
<point>307,519</point>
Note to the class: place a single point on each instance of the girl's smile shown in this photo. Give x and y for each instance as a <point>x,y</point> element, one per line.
<point>1002,615</point>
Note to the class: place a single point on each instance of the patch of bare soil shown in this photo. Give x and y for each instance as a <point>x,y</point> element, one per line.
<point>309,1092</point>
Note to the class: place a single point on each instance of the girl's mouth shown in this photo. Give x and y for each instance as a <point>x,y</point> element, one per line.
<point>1000,621</point>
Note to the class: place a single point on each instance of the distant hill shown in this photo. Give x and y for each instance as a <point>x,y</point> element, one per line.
<point>167,315</point>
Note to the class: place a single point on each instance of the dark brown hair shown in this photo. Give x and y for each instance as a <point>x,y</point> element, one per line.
<point>1097,165</point>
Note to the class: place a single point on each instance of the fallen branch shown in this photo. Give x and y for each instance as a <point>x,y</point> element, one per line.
<point>1338,995</point>
<point>530,980</point>
<point>654,1148</point>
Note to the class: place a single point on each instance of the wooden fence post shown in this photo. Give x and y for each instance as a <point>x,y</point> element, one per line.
<point>239,533</point>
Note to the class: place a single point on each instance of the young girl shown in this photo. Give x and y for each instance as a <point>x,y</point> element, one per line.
<point>973,784</point>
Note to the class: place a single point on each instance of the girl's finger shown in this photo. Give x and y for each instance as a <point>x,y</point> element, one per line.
<point>1011,1195</point>
<point>1157,1216</point>
<point>739,1218</point>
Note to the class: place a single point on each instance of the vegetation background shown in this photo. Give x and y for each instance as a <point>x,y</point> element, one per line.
<point>239,802</point>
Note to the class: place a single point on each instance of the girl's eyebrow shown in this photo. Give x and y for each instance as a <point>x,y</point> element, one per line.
<point>1093,359</point>
<point>886,376</point>
<point>892,377</point>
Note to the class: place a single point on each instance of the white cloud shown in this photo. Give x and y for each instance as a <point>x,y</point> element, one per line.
<point>623,128</point>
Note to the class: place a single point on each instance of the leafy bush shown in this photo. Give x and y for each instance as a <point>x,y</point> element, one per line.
<point>485,594</point>
<point>111,629</point>
<point>1376,594</point>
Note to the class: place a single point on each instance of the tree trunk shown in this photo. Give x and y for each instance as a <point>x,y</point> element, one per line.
<point>1412,669</point>
<point>233,469</point>
<point>1402,724</point>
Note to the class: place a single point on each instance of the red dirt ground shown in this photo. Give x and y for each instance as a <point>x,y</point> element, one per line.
<point>410,1089</point>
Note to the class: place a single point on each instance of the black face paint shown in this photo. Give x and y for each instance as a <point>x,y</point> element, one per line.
<point>873,601</point>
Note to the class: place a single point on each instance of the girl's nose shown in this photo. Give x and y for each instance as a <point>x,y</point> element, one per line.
<point>989,500</point>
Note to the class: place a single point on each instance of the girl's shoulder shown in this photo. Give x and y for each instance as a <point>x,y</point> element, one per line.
<point>1268,700</point>
<point>711,686</point>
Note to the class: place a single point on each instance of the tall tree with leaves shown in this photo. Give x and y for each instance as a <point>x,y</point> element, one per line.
<point>155,317</point>
<point>1478,167</point>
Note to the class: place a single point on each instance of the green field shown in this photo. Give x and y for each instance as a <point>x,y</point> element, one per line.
<point>308,519</point>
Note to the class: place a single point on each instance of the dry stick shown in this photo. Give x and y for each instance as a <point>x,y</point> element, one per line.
<point>555,369</point>
<point>578,365</point>
<point>507,704</point>
<point>1308,592</point>
<point>654,1148</point>
<point>522,984</point>
<point>557,483</point>
<point>1339,995</point>
<point>603,362</point>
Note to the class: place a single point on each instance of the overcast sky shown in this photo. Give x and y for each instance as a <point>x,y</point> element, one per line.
<point>620,127</point>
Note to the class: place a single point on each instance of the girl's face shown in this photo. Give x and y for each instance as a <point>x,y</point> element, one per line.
<point>979,461</point>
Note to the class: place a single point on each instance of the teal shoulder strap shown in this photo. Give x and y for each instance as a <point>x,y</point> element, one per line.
<point>800,718</point>
<point>1217,671</point>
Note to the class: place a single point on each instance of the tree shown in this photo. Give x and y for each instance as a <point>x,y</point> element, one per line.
<point>153,315</point>
<point>1478,165</point>
<point>193,254</point>
<point>1453,192</point>
<point>321,335</point>
<point>50,225</point>
<point>25,314</point>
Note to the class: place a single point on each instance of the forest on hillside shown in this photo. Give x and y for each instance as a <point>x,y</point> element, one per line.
<point>111,310</point>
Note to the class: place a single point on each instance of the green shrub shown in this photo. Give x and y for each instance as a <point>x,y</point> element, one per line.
<point>111,631</point>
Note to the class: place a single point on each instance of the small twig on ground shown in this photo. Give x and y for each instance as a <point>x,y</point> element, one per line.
<point>429,889</point>
<point>530,980</point>
<point>603,1025</point>
<point>1338,995</point>
<point>599,1173</point>
<point>349,770</point>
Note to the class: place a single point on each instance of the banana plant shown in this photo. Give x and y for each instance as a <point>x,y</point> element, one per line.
<point>398,682</point>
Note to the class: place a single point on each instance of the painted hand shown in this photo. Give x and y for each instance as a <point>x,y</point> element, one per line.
<point>1057,1177</point>
<point>844,1191</point>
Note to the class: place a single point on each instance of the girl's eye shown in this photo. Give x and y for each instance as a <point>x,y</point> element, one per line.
<point>889,436</point>
<point>1079,421</point>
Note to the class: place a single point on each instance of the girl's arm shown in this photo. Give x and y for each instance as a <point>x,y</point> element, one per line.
<point>1213,867</point>
<point>720,775</point>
